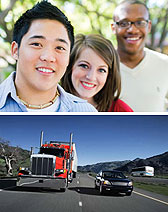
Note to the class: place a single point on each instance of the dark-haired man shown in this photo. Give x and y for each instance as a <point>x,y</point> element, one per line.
<point>144,73</point>
<point>42,40</point>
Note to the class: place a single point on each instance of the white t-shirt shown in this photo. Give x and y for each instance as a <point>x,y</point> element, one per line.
<point>145,87</point>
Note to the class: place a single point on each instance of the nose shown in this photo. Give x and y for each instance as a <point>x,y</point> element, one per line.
<point>91,74</point>
<point>132,28</point>
<point>48,55</point>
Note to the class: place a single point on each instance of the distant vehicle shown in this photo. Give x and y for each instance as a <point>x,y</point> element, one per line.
<point>53,167</point>
<point>143,171</point>
<point>113,181</point>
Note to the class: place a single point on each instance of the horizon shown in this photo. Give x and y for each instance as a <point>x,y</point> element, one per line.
<point>98,138</point>
<point>123,160</point>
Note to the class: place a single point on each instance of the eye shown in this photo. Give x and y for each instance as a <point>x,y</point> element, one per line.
<point>60,48</point>
<point>123,23</point>
<point>36,44</point>
<point>83,66</point>
<point>141,23</point>
<point>102,70</point>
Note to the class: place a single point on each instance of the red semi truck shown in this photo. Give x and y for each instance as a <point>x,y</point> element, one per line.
<point>53,167</point>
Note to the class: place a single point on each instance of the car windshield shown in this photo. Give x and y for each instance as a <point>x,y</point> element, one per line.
<point>119,175</point>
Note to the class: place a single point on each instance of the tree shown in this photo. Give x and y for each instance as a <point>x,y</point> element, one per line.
<point>9,155</point>
<point>99,16</point>
<point>159,31</point>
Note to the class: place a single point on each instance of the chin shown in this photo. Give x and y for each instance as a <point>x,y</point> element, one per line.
<point>85,97</point>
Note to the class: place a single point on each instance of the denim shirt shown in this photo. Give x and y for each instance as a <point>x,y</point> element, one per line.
<point>9,102</point>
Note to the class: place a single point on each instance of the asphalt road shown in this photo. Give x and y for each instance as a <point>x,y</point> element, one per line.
<point>79,197</point>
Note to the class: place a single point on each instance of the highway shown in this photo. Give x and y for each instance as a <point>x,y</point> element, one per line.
<point>79,197</point>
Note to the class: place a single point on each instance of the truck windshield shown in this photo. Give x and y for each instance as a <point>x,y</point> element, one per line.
<point>52,151</point>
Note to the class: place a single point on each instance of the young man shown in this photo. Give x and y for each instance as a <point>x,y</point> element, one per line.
<point>144,73</point>
<point>42,40</point>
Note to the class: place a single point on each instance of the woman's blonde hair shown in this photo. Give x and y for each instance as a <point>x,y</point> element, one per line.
<point>105,49</point>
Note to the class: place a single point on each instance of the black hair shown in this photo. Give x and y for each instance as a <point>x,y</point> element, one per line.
<point>42,10</point>
<point>132,2</point>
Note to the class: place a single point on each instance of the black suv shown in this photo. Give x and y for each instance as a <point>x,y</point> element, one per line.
<point>114,181</point>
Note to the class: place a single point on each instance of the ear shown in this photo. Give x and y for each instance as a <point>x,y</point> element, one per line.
<point>113,27</point>
<point>149,26</point>
<point>14,50</point>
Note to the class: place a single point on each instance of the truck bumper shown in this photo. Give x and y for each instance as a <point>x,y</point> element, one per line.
<point>41,182</point>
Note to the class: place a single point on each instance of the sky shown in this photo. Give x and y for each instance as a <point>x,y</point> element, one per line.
<point>98,138</point>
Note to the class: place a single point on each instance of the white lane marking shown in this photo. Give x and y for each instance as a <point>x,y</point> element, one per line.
<point>77,182</point>
<point>0,189</point>
<point>80,204</point>
<point>166,203</point>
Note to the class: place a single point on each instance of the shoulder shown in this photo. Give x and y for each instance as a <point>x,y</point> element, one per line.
<point>7,87</point>
<point>119,106</point>
<point>8,98</point>
<point>9,80</point>
<point>71,103</point>
<point>156,55</point>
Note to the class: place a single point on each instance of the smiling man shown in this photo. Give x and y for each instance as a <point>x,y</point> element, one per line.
<point>42,40</point>
<point>144,73</point>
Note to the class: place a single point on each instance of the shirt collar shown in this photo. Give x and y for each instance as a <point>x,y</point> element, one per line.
<point>7,88</point>
<point>67,100</point>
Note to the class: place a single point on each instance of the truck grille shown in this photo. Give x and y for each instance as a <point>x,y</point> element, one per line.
<point>42,166</point>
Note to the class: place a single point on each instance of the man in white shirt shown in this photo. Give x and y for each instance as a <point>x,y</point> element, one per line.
<point>144,73</point>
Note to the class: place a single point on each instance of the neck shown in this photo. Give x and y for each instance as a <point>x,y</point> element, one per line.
<point>32,97</point>
<point>131,60</point>
<point>92,102</point>
<point>40,106</point>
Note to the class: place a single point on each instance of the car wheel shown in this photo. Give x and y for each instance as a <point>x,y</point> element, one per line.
<point>128,193</point>
<point>96,185</point>
<point>101,189</point>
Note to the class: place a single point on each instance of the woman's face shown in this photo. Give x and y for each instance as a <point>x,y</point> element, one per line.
<point>89,74</point>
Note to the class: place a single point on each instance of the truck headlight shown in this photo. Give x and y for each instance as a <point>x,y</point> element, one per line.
<point>59,171</point>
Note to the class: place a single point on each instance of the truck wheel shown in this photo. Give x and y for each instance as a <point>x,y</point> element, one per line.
<point>66,183</point>
<point>62,189</point>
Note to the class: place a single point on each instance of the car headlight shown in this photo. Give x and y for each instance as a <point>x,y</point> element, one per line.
<point>130,183</point>
<point>106,182</point>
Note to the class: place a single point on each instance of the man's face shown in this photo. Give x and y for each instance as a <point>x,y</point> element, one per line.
<point>131,40</point>
<point>42,57</point>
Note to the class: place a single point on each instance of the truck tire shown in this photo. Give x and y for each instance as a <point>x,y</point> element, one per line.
<point>62,189</point>
<point>66,183</point>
